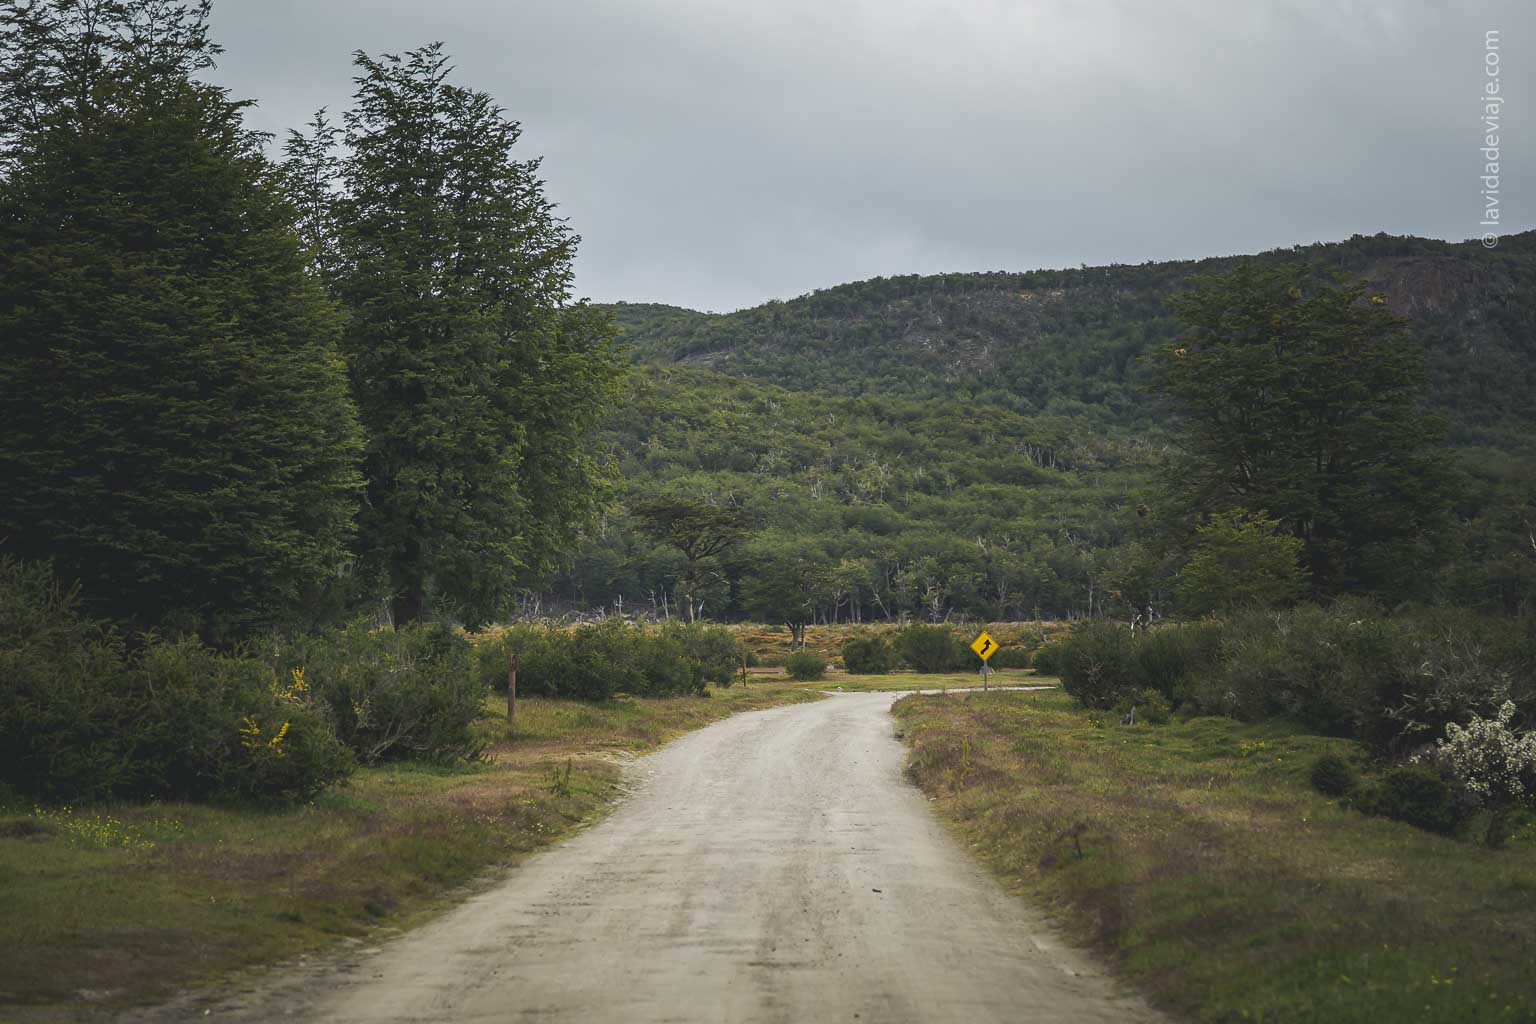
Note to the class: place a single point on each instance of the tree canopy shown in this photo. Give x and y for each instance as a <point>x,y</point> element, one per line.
<point>178,433</point>
<point>477,383</point>
<point>1303,398</point>
<point>1240,561</point>
<point>700,530</point>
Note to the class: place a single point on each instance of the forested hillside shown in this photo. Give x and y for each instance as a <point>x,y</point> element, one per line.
<point>983,444</point>
<point>909,505</point>
<point>1066,342</point>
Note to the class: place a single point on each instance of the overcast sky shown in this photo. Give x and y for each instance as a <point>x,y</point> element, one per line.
<point>718,153</point>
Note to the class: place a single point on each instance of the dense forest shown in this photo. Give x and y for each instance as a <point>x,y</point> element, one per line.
<point>988,445</point>
<point>910,507</point>
<point>1067,342</point>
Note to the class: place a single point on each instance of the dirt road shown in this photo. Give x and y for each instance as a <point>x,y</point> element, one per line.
<point>771,867</point>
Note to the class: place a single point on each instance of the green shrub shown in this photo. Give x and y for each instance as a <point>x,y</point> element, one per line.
<point>590,662</point>
<point>82,718</point>
<point>1319,667</point>
<point>1169,656</point>
<point>1344,670</point>
<point>1152,708</point>
<point>1097,664</point>
<point>1333,776</point>
<point>805,665</point>
<point>1014,656</point>
<point>665,666</point>
<point>1449,667</point>
<point>392,694</point>
<point>490,661</point>
<point>933,649</point>
<point>63,711</point>
<point>1349,670</point>
<point>1417,795</point>
<point>714,649</point>
<point>1047,660</point>
<point>1254,662</point>
<point>610,657</point>
<point>552,664</point>
<point>221,726</point>
<point>869,655</point>
<point>595,661</point>
<point>1240,560</point>
<point>1103,663</point>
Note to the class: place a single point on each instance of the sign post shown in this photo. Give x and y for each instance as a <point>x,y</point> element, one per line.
<point>985,647</point>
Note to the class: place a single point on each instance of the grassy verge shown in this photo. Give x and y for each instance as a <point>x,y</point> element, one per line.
<point>1199,859</point>
<point>847,682</point>
<point>546,728</point>
<point>110,906</point>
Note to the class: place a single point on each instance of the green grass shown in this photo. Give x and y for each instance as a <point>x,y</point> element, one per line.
<point>1198,858</point>
<point>111,906</point>
<point>771,642</point>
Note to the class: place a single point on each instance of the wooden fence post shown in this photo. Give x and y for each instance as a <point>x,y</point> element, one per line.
<point>514,662</point>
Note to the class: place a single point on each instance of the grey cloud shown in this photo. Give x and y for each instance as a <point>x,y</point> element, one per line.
<point>717,154</point>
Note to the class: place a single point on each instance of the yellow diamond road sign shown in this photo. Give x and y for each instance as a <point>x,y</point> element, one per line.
<point>984,646</point>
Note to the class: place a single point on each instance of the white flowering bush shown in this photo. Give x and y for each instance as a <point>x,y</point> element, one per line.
<point>1492,766</point>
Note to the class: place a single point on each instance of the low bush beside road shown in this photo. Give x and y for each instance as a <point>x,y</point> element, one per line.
<point>1349,669</point>
<point>594,661</point>
<point>392,694</point>
<point>85,714</point>
<point>1200,859</point>
<point>805,666</point>
<point>933,649</point>
<point>868,655</point>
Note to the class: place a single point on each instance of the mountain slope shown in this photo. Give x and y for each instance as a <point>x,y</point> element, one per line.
<point>1065,342</point>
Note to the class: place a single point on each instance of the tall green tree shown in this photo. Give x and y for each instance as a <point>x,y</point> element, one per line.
<point>478,383</point>
<point>700,530</point>
<point>177,429</point>
<point>1302,398</point>
<point>786,584</point>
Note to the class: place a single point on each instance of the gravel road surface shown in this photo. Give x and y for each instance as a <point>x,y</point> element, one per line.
<point>775,866</point>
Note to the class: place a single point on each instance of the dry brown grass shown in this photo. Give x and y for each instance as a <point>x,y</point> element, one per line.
<point>1197,856</point>
<point>547,728</point>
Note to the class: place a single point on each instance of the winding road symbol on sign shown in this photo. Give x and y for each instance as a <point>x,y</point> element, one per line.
<point>984,646</point>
